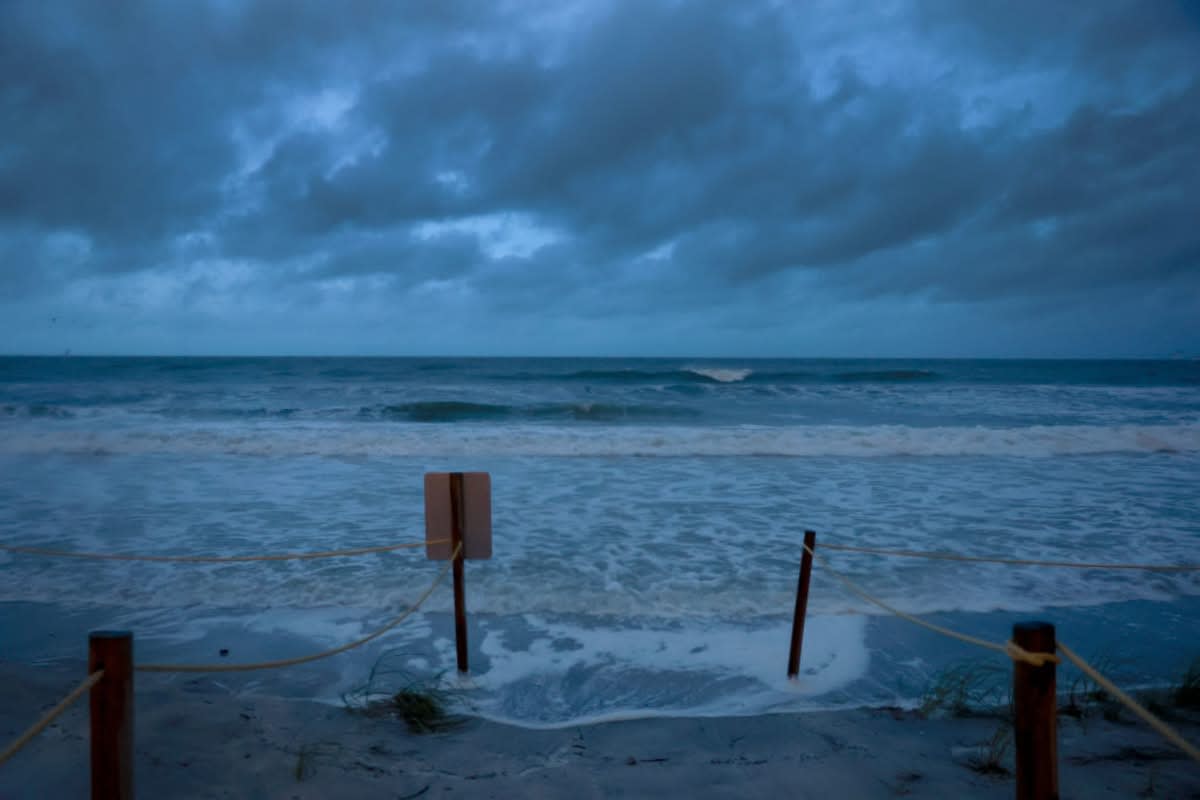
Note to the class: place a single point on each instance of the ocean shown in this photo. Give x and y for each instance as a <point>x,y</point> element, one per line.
<point>648,515</point>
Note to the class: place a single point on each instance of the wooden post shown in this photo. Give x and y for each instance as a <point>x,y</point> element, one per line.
<point>456,541</point>
<point>111,711</point>
<point>810,543</point>
<point>1035,710</point>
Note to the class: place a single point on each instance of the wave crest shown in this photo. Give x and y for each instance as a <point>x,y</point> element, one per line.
<point>721,374</point>
<point>434,411</point>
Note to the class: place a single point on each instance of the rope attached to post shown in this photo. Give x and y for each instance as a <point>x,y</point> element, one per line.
<point>1010,649</point>
<point>1165,730</point>
<point>287,662</point>
<point>1018,653</point>
<point>51,715</point>
<point>1028,562</point>
<point>353,551</point>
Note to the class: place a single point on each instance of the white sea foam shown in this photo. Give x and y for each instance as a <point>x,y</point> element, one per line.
<point>722,649</point>
<point>565,674</point>
<point>608,573</point>
<point>721,374</point>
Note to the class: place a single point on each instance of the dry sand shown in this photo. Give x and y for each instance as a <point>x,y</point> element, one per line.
<point>200,739</point>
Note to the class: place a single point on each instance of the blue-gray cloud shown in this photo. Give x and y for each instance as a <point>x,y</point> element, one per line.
<point>593,164</point>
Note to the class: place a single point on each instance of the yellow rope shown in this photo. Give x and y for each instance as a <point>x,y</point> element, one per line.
<point>355,551</point>
<point>1167,732</point>
<point>1020,561</point>
<point>1018,653</point>
<point>287,662</point>
<point>1010,649</point>
<point>51,715</point>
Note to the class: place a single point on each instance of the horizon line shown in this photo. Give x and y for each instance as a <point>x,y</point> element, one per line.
<point>1179,356</point>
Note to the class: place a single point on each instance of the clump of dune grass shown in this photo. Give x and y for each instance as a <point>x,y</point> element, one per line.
<point>394,690</point>
<point>1085,696</point>
<point>1187,693</point>
<point>423,710</point>
<point>992,757</point>
<point>308,755</point>
<point>964,689</point>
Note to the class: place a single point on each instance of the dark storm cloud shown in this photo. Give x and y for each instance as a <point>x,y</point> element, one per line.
<point>603,153</point>
<point>119,119</point>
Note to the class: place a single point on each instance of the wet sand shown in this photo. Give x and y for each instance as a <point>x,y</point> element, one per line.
<point>204,738</point>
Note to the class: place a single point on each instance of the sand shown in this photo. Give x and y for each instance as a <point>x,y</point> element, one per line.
<point>203,738</point>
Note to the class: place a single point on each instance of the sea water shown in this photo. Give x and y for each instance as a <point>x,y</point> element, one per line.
<point>648,515</point>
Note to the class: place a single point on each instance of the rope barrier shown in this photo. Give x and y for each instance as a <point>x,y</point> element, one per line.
<point>1010,649</point>
<point>354,551</point>
<point>1166,731</point>
<point>1018,561</point>
<point>51,715</point>
<point>287,662</point>
<point>1017,653</point>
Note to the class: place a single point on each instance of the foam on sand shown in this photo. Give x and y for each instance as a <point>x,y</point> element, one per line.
<point>554,673</point>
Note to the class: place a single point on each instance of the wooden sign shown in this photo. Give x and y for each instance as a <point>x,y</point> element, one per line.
<point>474,515</point>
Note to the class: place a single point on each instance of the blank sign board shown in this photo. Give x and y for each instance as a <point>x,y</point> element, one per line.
<point>476,519</point>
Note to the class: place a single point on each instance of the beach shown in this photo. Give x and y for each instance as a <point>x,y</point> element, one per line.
<point>199,738</point>
<point>647,517</point>
<point>599,399</point>
<point>647,521</point>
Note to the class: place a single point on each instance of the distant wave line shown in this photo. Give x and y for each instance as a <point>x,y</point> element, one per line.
<point>460,411</point>
<point>718,375</point>
<point>525,437</point>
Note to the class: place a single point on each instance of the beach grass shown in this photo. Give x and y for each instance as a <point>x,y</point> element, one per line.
<point>1085,697</point>
<point>992,757</point>
<point>308,755</point>
<point>1187,693</point>
<point>965,689</point>
<point>395,689</point>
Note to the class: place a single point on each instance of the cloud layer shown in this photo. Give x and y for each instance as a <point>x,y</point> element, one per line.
<point>657,177</point>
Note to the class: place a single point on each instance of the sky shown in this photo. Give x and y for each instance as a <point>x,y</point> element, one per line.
<point>945,179</point>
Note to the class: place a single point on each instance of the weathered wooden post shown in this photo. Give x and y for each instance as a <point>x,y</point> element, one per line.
<point>806,559</point>
<point>111,712</point>
<point>458,525</point>
<point>1035,709</point>
<point>457,516</point>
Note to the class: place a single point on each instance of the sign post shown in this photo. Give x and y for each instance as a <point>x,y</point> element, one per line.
<point>1035,715</point>
<point>801,611</point>
<point>458,525</point>
<point>457,508</point>
<point>111,714</point>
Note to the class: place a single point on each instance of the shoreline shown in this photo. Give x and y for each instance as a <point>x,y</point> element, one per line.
<point>200,738</point>
<point>514,683</point>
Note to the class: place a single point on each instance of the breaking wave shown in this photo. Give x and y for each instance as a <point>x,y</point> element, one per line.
<point>458,411</point>
<point>637,376</point>
<point>733,375</point>
<point>438,411</point>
